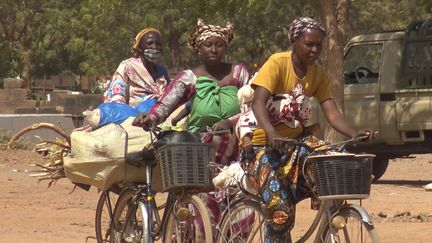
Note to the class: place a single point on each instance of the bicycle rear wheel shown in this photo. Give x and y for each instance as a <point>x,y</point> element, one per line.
<point>127,219</point>
<point>104,211</point>
<point>188,221</point>
<point>354,231</point>
<point>243,221</point>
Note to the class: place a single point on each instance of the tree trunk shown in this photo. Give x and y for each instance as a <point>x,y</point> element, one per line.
<point>175,51</point>
<point>173,36</point>
<point>335,20</point>
<point>27,71</point>
<point>26,63</point>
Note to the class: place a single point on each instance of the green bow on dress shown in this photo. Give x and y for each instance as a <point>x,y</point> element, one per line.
<point>212,103</point>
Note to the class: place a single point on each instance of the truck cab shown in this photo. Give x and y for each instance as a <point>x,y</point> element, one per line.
<point>388,88</point>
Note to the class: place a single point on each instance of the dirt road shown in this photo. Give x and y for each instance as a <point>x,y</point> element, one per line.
<point>31,212</point>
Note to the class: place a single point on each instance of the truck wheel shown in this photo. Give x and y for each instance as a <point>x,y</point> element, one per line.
<point>379,166</point>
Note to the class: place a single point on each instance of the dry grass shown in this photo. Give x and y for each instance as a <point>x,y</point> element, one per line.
<point>19,144</point>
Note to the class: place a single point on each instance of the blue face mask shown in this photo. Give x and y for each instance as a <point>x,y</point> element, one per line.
<point>152,55</point>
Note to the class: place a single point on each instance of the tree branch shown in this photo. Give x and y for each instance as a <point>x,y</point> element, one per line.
<point>342,16</point>
<point>6,32</point>
<point>23,30</point>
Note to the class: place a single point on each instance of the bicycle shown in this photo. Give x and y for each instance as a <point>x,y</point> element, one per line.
<point>136,218</point>
<point>242,219</point>
<point>105,207</point>
<point>336,220</point>
<point>103,216</point>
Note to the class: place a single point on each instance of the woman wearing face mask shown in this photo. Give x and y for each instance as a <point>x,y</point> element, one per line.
<point>139,79</point>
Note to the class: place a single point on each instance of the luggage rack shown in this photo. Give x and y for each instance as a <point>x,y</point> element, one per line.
<point>416,69</point>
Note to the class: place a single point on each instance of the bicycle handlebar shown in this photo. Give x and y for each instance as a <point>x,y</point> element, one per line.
<point>208,129</point>
<point>296,142</point>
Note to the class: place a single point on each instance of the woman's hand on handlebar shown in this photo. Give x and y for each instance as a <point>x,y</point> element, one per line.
<point>144,121</point>
<point>364,135</point>
<point>222,125</point>
<point>274,139</point>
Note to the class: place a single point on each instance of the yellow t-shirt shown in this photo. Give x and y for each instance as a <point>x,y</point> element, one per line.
<point>278,77</point>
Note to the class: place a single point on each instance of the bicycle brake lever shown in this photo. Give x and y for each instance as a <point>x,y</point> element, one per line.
<point>360,138</point>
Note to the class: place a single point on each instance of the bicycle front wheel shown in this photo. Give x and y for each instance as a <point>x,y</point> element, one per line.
<point>352,229</point>
<point>104,212</point>
<point>243,221</point>
<point>188,221</point>
<point>127,219</point>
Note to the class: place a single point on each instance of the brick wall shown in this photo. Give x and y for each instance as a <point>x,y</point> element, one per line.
<point>11,98</point>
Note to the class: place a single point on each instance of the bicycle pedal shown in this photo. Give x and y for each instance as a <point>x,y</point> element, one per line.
<point>131,239</point>
<point>183,214</point>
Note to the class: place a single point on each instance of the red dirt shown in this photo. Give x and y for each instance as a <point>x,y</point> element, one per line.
<point>32,212</point>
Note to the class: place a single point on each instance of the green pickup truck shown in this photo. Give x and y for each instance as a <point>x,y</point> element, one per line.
<point>388,88</point>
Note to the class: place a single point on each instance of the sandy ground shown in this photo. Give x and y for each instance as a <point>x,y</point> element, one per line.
<point>32,212</point>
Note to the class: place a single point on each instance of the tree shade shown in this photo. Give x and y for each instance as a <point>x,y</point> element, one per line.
<point>41,38</point>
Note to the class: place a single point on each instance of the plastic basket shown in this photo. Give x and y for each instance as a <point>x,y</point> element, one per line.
<point>185,166</point>
<point>345,176</point>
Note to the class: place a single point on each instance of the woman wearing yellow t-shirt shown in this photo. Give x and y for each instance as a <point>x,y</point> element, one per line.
<point>294,73</point>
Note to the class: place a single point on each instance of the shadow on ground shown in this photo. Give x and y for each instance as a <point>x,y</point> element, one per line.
<point>413,183</point>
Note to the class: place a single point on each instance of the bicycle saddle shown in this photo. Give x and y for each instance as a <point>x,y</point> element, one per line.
<point>140,158</point>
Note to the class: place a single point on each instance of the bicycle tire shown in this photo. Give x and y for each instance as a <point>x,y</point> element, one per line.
<point>189,230</point>
<point>104,210</point>
<point>315,223</point>
<point>127,221</point>
<point>147,222</point>
<point>355,231</point>
<point>238,217</point>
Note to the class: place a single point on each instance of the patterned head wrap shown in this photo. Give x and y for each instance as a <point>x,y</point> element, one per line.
<point>203,31</point>
<point>300,25</point>
<point>139,36</point>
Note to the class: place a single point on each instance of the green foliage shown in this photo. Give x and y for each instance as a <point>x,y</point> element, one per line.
<point>36,32</point>
<point>368,16</point>
<point>258,35</point>
<point>92,37</point>
<point>6,64</point>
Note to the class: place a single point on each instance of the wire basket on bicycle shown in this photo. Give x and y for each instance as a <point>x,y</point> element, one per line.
<point>184,163</point>
<point>344,176</point>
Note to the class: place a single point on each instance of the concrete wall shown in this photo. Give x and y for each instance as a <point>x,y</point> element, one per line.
<point>12,123</point>
<point>18,101</point>
<point>18,110</point>
<point>75,103</point>
<point>12,98</point>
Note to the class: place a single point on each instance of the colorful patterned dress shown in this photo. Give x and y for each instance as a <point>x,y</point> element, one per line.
<point>133,84</point>
<point>278,175</point>
<point>212,101</point>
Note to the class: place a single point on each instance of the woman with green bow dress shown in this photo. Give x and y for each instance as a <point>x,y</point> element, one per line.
<point>210,91</point>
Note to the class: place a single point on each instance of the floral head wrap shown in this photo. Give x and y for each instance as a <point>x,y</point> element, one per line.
<point>139,36</point>
<point>300,25</point>
<point>203,31</point>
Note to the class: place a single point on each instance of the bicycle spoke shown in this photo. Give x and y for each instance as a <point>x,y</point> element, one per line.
<point>188,221</point>
<point>242,222</point>
<point>104,212</point>
<point>354,230</point>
